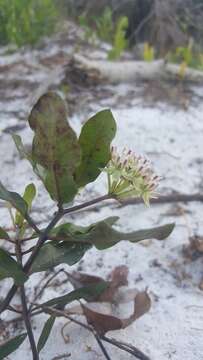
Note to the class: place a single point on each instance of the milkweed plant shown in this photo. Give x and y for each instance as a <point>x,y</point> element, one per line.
<point>65,164</point>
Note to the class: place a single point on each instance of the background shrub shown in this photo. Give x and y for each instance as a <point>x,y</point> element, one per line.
<point>25,21</point>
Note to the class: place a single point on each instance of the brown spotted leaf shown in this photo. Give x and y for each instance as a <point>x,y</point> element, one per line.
<point>55,149</point>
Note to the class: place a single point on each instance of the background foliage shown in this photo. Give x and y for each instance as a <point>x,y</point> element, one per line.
<point>25,21</point>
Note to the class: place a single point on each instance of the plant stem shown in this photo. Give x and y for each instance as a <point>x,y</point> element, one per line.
<point>28,325</point>
<point>126,347</point>
<point>26,268</point>
<point>43,237</point>
<point>87,327</point>
<point>87,204</point>
<point>121,345</point>
<point>32,224</point>
<point>25,312</point>
<point>39,294</point>
<point>97,337</point>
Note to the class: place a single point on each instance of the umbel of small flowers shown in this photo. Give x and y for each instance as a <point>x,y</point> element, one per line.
<point>131,175</point>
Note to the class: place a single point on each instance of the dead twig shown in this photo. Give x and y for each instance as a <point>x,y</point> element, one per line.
<point>66,338</point>
<point>127,347</point>
<point>121,345</point>
<point>63,356</point>
<point>41,291</point>
<point>167,199</point>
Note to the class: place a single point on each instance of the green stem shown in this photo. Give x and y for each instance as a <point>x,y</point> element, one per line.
<point>87,204</point>
<point>43,237</point>
<point>25,312</point>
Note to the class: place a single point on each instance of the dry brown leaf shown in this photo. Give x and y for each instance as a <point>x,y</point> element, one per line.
<point>117,278</point>
<point>195,249</point>
<point>201,285</point>
<point>79,279</point>
<point>103,323</point>
<point>142,304</point>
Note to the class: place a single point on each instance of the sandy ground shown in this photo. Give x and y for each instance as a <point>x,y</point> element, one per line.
<point>172,139</point>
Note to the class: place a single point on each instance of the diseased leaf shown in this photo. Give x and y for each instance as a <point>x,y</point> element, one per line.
<point>3,234</point>
<point>29,195</point>
<point>103,323</point>
<point>52,254</point>
<point>14,199</point>
<point>88,293</point>
<point>46,331</point>
<point>10,268</point>
<point>55,149</point>
<point>11,345</point>
<point>103,236</point>
<point>95,139</point>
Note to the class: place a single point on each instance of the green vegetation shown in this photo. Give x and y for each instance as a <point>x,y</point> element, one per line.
<point>105,25</point>
<point>101,27</point>
<point>64,163</point>
<point>187,56</point>
<point>26,21</point>
<point>107,29</point>
<point>148,54</point>
<point>120,42</point>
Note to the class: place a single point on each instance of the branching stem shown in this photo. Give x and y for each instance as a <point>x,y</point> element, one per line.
<point>43,237</point>
<point>25,312</point>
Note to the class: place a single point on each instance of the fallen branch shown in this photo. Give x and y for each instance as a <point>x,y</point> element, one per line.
<point>173,198</point>
<point>129,71</point>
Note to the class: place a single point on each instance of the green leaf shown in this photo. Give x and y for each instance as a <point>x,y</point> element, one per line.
<point>88,293</point>
<point>3,234</point>
<point>29,195</point>
<point>14,199</point>
<point>10,268</point>
<point>52,254</point>
<point>11,345</point>
<point>102,235</point>
<point>45,333</point>
<point>95,140</point>
<point>72,232</point>
<point>55,149</point>
<point>120,43</point>
<point>21,148</point>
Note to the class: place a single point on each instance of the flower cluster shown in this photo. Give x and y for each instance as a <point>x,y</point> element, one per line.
<point>131,175</point>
